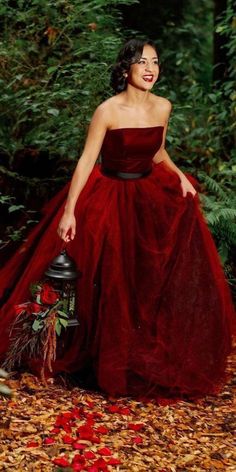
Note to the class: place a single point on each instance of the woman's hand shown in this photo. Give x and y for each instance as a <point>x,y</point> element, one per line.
<point>67,227</point>
<point>187,186</point>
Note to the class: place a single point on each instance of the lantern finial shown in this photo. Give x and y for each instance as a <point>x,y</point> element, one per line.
<point>62,267</point>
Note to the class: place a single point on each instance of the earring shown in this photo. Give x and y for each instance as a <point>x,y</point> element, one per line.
<point>125,75</point>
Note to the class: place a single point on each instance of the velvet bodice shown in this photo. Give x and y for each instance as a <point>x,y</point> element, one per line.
<point>131,149</point>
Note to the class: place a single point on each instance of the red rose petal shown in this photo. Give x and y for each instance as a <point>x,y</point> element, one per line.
<point>89,455</point>
<point>67,428</point>
<point>79,459</point>
<point>95,440</point>
<point>113,461</point>
<point>68,439</point>
<point>79,446</point>
<point>113,408</point>
<point>62,461</point>
<point>125,411</point>
<point>49,441</point>
<point>32,444</point>
<point>86,431</point>
<point>93,468</point>
<point>55,431</point>
<point>101,464</point>
<point>68,415</point>
<point>77,467</point>
<point>90,421</point>
<point>102,429</point>
<point>137,440</point>
<point>86,436</point>
<point>76,413</point>
<point>136,426</point>
<point>105,451</point>
<point>90,404</point>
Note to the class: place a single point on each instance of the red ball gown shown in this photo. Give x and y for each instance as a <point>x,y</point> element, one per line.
<point>155,311</point>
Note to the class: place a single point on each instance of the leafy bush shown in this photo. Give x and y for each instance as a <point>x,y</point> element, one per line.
<point>202,132</point>
<point>55,66</point>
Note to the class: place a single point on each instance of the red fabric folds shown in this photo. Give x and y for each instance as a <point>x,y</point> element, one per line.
<point>156,315</point>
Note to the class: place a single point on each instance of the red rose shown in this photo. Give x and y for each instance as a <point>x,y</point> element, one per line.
<point>21,308</point>
<point>34,308</point>
<point>48,295</point>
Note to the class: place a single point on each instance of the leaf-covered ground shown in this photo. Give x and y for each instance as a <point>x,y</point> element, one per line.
<point>68,429</point>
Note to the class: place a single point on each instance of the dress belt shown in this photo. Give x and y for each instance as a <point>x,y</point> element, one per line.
<point>125,175</point>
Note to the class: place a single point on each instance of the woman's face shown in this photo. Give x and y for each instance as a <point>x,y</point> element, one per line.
<point>144,73</point>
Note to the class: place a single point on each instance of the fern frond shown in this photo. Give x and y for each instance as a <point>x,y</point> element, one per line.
<point>212,185</point>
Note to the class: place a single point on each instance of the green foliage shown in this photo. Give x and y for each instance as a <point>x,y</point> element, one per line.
<point>55,60</point>
<point>55,65</point>
<point>27,218</point>
<point>219,202</point>
<point>202,130</point>
<point>52,56</point>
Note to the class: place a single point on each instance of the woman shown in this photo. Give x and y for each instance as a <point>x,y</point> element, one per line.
<point>154,308</point>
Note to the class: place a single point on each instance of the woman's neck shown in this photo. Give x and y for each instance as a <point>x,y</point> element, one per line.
<point>135,97</point>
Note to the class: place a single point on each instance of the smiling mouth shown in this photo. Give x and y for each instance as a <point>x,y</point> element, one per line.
<point>148,78</point>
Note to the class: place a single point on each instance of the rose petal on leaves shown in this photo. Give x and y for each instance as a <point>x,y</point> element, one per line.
<point>89,455</point>
<point>101,464</point>
<point>78,458</point>
<point>105,451</point>
<point>55,431</point>
<point>32,444</point>
<point>114,461</point>
<point>136,426</point>
<point>62,461</point>
<point>102,429</point>
<point>90,404</point>
<point>79,446</point>
<point>125,411</point>
<point>137,440</point>
<point>48,441</point>
<point>68,439</point>
<point>113,408</point>
<point>76,467</point>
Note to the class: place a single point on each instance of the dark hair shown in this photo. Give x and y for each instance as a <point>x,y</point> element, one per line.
<point>128,55</point>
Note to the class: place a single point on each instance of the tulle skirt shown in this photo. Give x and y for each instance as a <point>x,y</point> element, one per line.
<point>154,308</point>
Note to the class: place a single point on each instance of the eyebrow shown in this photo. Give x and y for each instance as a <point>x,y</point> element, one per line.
<point>155,57</point>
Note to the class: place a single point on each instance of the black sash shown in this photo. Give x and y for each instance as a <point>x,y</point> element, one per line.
<point>125,175</point>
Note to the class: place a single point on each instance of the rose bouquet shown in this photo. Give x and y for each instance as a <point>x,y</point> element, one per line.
<point>35,329</point>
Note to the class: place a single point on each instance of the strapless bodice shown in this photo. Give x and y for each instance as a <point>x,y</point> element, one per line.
<point>131,149</point>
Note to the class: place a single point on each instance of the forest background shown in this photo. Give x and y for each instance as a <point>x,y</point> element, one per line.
<point>55,64</point>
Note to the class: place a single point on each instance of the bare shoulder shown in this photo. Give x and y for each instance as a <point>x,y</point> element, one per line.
<point>163,103</point>
<point>105,110</point>
<point>161,108</point>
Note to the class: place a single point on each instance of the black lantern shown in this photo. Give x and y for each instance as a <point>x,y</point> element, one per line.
<point>63,274</point>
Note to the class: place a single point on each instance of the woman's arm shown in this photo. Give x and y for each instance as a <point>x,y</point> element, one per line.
<point>95,137</point>
<point>162,155</point>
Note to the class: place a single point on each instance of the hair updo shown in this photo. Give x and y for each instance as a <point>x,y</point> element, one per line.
<point>128,55</point>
